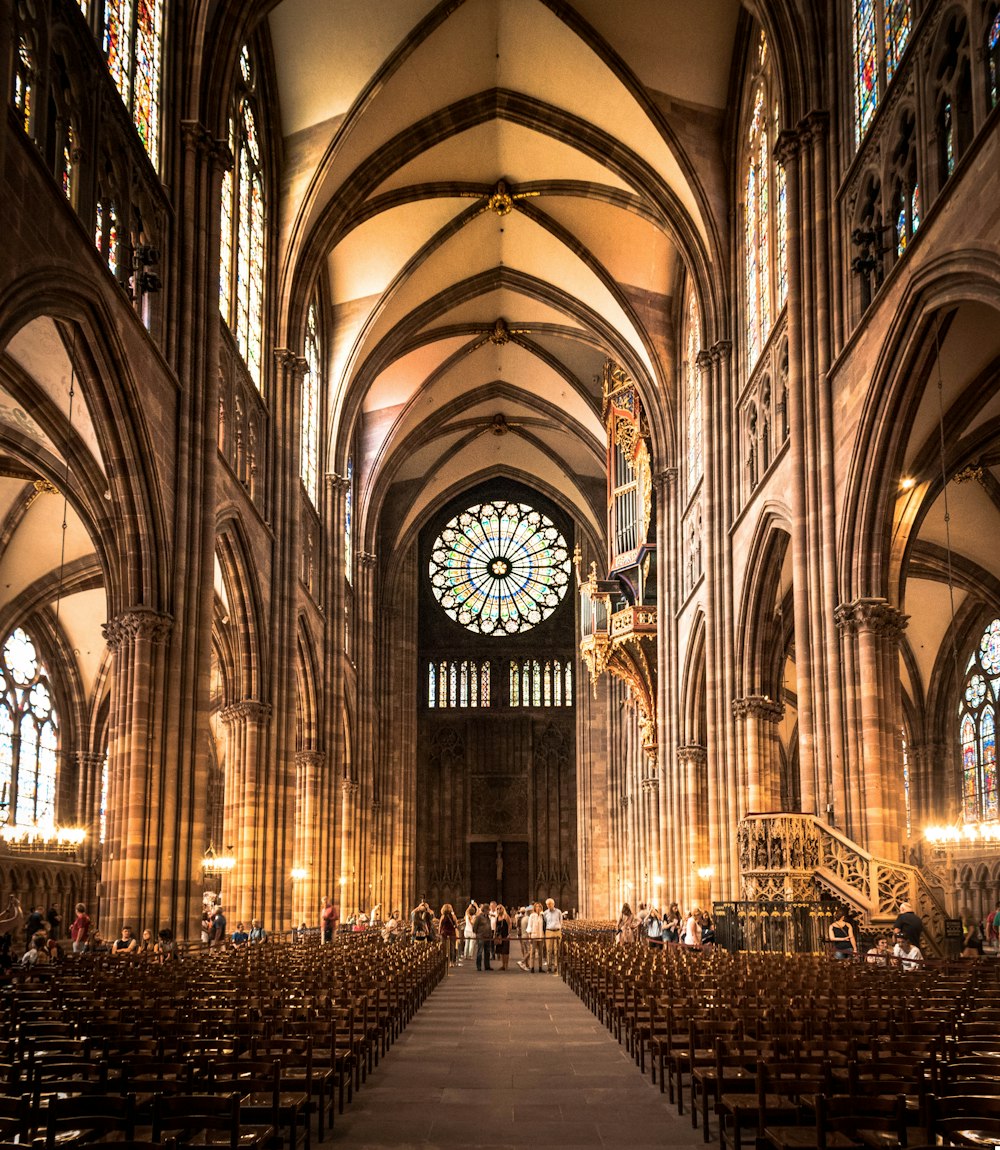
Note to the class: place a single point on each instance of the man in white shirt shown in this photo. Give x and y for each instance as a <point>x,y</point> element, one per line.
<point>553,918</point>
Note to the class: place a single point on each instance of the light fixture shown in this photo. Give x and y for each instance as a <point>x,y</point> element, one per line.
<point>966,832</point>
<point>212,863</point>
<point>298,873</point>
<point>658,880</point>
<point>907,484</point>
<point>342,880</point>
<point>705,872</point>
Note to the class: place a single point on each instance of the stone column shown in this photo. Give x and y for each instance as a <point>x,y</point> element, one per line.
<point>247,829</point>
<point>141,876</point>
<point>667,671</point>
<point>694,829</point>
<point>872,629</point>
<point>366,748</point>
<point>348,882</point>
<point>306,892</point>
<point>757,714</point>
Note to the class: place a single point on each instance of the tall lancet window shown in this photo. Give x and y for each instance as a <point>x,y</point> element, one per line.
<point>692,394</point>
<point>29,735</point>
<point>977,728</point>
<point>133,47</point>
<point>993,60</point>
<point>764,246</point>
<point>311,392</point>
<point>241,278</point>
<point>349,523</point>
<point>880,32</point>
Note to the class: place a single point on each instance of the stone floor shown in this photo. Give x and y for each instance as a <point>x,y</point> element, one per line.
<point>504,1060</point>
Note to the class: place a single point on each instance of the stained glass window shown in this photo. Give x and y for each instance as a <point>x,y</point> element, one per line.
<point>499,568</point>
<point>977,729</point>
<point>349,522</point>
<point>106,234</point>
<point>534,683</point>
<point>23,83</point>
<point>765,260</point>
<point>241,253</point>
<point>310,408</point>
<point>692,373</point>
<point>993,60</point>
<point>29,734</point>
<point>132,42</point>
<point>881,31</point>
<point>452,683</point>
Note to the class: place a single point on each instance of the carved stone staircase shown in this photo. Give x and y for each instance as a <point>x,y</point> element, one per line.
<point>791,856</point>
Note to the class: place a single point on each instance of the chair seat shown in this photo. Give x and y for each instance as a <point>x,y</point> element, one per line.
<point>804,1138</point>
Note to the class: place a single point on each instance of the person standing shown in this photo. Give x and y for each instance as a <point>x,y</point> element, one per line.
<point>448,932</point>
<point>468,930</point>
<point>501,937</point>
<point>536,936</point>
<point>841,935</point>
<point>692,928</point>
<point>33,924</point>
<point>483,930</point>
<point>421,922</point>
<point>627,930</point>
<point>257,933</point>
<point>553,918</point>
<point>909,924</point>
<point>328,919</point>
<point>79,930</point>
<point>218,927</point>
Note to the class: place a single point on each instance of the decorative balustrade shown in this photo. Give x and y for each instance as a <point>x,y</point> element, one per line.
<point>794,857</point>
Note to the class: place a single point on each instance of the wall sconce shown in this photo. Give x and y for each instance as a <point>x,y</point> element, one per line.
<point>298,873</point>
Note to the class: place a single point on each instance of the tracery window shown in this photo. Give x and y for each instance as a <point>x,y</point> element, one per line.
<point>24,83</point>
<point>993,60</point>
<point>311,391</point>
<point>349,522</point>
<point>952,72</point>
<point>881,30</point>
<point>241,278</point>
<point>132,42</point>
<point>765,274</point>
<point>458,683</point>
<point>541,683</point>
<point>29,734</point>
<point>499,568</point>
<point>692,391</point>
<point>977,728</point>
<point>905,194</point>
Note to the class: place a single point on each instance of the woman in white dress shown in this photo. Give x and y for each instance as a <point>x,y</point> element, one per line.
<point>691,935</point>
<point>468,934</point>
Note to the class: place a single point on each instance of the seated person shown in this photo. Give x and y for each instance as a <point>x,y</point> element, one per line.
<point>37,953</point>
<point>239,936</point>
<point>907,953</point>
<point>257,932</point>
<point>126,944</point>
<point>879,953</point>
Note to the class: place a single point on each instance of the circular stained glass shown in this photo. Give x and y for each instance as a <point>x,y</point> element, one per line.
<point>500,568</point>
<point>989,648</point>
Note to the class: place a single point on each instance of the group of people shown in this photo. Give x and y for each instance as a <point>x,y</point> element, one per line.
<point>214,930</point>
<point>484,933</point>
<point>904,953</point>
<point>695,928</point>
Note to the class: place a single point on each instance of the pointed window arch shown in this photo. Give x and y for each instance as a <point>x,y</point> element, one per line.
<point>311,392</point>
<point>765,274</point>
<point>241,274</point>
<point>977,729</point>
<point>880,32</point>
<point>132,40</point>
<point>29,734</point>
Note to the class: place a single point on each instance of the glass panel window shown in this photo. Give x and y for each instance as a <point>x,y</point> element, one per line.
<point>311,390</point>
<point>241,295</point>
<point>993,60</point>
<point>133,50</point>
<point>499,568</point>
<point>880,32</point>
<point>977,730</point>
<point>29,735</point>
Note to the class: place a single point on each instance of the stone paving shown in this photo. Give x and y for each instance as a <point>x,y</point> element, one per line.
<point>509,1060</point>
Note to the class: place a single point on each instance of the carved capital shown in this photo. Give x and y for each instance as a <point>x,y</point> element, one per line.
<point>337,482</point>
<point>650,786</point>
<point>876,616</point>
<point>786,147</point>
<point>814,125</point>
<point>85,760</point>
<point>760,706</point>
<point>367,559</point>
<point>692,753</point>
<point>721,350</point>
<point>309,758</point>
<point>704,360</point>
<point>625,801</point>
<point>137,623</point>
<point>287,360</point>
<point>348,787</point>
<point>196,136</point>
<point>247,711</point>
<point>667,476</point>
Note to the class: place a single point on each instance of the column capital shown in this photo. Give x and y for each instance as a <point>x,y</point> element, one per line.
<point>348,787</point>
<point>667,476</point>
<point>760,706</point>
<point>309,758</point>
<point>814,125</point>
<point>704,360</point>
<point>286,359</point>
<point>721,350</point>
<point>650,785</point>
<point>367,559</point>
<point>138,623</point>
<point>337,482</point>
<point>198,138</point>
<point>787,146</point>
<point>247,710</point>
<point>871,614</point>
<point>692,753</point>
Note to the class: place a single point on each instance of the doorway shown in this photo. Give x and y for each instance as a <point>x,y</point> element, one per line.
<point>499,870</point>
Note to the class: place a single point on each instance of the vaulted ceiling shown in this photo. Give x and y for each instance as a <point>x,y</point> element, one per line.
<point>502,194</point>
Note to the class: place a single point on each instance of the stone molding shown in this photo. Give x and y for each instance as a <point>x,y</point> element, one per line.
<point>871,614</point>
<point>337,482</point>
<point>309,758</point>
<point>137,623</point>
<point>692,753</point>
<point>348,787</point>
<point>760,706</point>
<point>247,710</point>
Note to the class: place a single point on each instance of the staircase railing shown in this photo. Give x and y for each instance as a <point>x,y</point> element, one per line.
<point>793,856</point>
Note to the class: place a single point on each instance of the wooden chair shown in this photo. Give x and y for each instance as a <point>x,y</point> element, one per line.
<point>965,1120</point>
<point>263,1096</point>
<point>87,1118</point>
<point>206,1120</point>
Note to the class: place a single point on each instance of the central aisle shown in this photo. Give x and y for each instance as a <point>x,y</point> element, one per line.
<point>509,1060</point>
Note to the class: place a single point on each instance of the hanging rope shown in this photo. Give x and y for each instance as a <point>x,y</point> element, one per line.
<point>947,511</point>
<point>65,514</point>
